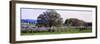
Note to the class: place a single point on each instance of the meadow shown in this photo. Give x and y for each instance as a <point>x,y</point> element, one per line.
<point>68,30</point>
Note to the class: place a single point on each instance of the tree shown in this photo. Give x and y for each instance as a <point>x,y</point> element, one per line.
<point>81,25</point>
<point>74,22</point>
<point>49,18</point>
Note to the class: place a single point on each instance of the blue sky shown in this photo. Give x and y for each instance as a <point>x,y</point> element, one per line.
<point>85,15</point>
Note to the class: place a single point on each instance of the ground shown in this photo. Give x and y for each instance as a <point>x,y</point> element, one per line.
<point>67,31</point>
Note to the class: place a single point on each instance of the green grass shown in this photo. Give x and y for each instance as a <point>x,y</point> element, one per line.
<point>67,31</point>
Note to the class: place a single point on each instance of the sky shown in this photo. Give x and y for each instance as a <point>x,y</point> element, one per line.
<point>31,13</point>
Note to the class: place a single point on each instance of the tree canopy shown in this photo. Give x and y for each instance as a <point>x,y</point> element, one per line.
<point>49,18</point>
<point>74,22</point>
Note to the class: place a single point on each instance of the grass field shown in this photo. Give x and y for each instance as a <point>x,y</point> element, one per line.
<point>67,31</point>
